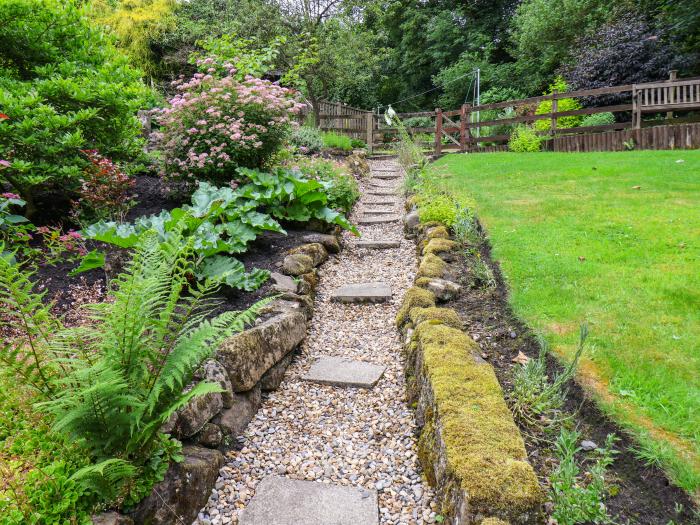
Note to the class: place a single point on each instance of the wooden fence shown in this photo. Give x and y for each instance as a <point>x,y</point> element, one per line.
<point>646,116</point>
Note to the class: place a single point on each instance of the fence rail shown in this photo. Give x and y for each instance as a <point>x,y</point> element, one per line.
<point>485,128</point>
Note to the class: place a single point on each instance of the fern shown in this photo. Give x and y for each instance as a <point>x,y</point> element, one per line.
<point>28,356</point>
<point>111,385</point>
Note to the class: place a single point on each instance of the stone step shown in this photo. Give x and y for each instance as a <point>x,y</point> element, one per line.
<point>378,244</point>
<point>336,371</point>
<point>381,192</point>
<point>381,202</point>
<point>378,211</point>
<point>387,170</point>
<point>382,219</point>
<point>386,176</point>
<point>374,292</point>
<point>284,501</point>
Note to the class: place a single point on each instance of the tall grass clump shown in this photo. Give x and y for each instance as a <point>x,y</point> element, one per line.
<point>336,141</point>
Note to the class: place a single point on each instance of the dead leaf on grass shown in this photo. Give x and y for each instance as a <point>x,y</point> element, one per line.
<point>581,258</point>
<point>636,187</point>
<point>521,358</point>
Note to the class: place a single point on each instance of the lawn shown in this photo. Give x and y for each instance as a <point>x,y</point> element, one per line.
<point>612,239</point>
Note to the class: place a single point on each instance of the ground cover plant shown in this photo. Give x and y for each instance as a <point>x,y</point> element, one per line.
<point>336,141</point>
<point>606,238</point>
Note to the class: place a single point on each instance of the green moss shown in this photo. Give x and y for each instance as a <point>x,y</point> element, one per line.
<point>437,232</point>
<point>432,266</point>
<point>494,521</point>
<point>415,297</point>
<point>484,449</point>
<point>435,315</point>
<point>439,246</point>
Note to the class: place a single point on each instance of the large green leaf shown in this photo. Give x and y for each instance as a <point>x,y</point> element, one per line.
<point>230,271</point>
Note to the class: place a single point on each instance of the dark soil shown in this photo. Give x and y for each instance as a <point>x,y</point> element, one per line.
<point>644,494</point>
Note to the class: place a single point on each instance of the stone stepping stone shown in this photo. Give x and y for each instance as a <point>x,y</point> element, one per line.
<point>386,170</point>
<point>382,219</point>
<point>377,211</point>
<point>283,501</point>
<point>381,192</point>
<point>381,202</point>
<point>378,245</point>
<point>336,371</point>
<point>374,292</point>
<point>386,176</point>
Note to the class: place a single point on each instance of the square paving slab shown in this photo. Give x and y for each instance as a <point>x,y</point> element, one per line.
<point>336,371</point>
<point>375,292</point>
<point>283,501</point>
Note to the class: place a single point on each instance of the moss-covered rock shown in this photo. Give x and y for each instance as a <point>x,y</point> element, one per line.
<point>443,289</point>
<point>432,266</point>
<point>438,245</point>
<point>415,297</point>
<point>297,264</point>
<point>315,250</point>
<point>470,445</point>
<point>435,315</point>
<point>437,232</point>
<point>494,521</point>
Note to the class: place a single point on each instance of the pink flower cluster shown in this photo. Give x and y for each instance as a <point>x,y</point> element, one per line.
<point>214,125</point>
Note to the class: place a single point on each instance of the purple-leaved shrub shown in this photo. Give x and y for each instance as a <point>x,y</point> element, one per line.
<point>215,125</point>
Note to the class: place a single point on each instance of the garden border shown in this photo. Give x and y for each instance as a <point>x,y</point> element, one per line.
<point>469,446</point>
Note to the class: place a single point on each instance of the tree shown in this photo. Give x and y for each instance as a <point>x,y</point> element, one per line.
<point>545,33</point>
<point>625,51</point>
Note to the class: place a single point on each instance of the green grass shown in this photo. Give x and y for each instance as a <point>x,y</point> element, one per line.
<point>612,239</point>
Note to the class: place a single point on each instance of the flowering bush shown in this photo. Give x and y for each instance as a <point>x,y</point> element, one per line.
<point>103,193</point>
<point>215,125</point>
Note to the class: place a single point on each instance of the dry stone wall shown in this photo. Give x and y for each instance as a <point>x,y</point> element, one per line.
<point>469,446</point>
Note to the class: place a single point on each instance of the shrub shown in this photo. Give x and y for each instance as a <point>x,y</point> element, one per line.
<point>214,126</point>
<point>598,119</point>
<point>524,140</point>
<point>104,191</point>
<point>128,369</point>
<point>69,89</point>
<point>342,189</point>
<point>563,104</point>
<point>307,139</point>
<point>336,141</point>
<point>358,144</point>
<point>439,207</point>
<point>15,229</point>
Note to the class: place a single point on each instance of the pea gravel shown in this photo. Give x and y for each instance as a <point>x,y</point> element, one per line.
<point>345,436</point>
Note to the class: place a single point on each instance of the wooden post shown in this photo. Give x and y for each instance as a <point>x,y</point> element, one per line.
<point>672,77</point>
<point>636,109</point>
<point>369,119</point>
<point>463,128</point>
<point>555,108</point>
<point>438,132</point>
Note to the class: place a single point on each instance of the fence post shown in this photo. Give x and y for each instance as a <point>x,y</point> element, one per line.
<point>438,131</point>
<point>636,109</point>
<point>463,128</point>
<point>555,108</point>
<point>369,120</point>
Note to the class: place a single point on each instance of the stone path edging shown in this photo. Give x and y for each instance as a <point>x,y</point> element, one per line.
<point>469,445</point>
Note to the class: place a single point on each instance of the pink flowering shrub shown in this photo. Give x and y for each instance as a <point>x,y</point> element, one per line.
<point>215,125</point>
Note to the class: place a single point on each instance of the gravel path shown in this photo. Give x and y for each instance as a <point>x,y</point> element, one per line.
<point>345,436</point>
